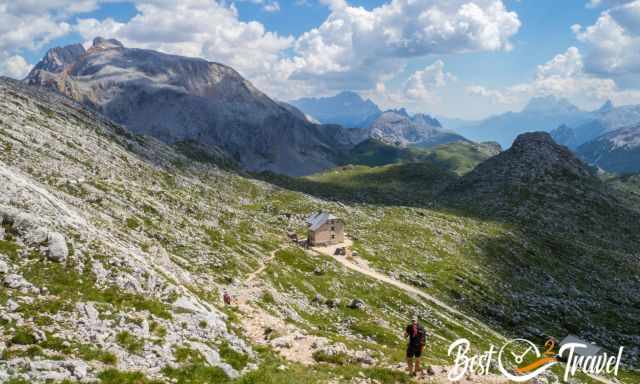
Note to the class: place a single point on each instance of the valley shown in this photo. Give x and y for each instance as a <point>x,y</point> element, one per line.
<point>153,238</point>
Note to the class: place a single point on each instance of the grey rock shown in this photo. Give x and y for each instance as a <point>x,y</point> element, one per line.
<point>200,105</point>
<point>57,247</point>
<point>398,128</point>
<point>4,267</point>
<point>356,304</point>
<point>15,281</point>
<point>11,305</point>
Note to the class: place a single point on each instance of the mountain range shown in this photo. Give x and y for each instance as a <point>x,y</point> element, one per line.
<point>116,247</point>
<point>345,108</point>
<point>540,114</point>
<point>194,103</point>
<point>616,151</point>
<point>179,99</point>
<point>394,126</point>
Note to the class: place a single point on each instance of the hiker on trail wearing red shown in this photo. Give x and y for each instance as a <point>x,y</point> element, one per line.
<point>417,340</point>
<point>226,297</point>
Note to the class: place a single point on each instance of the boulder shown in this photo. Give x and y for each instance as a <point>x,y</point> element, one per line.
<point>356,304</point>
<point>15,281</point>
<point>11,305</point>
<point>37,235</point>
<point>364,357</point>
<point>58,250</point>
<point>4,267</point>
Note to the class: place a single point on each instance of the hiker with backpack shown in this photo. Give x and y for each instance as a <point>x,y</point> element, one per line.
<point>417,339</point>
<point>226,297</point>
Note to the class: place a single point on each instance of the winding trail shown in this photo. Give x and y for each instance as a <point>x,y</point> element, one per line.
<point>265,264</point>
<point>360,266</point>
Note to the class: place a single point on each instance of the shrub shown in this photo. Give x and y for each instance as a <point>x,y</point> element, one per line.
<point>23,336</point>
<point>130,342</point>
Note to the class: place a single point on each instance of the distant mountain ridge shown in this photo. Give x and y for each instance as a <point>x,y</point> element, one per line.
<point>346,108</point>
<point>601,121</point>
<point>397,127</point>
<point>540,114</point>
<point>176,99</point>
<point>615,151</point>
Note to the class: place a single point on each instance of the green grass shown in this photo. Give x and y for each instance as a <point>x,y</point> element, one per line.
<point>113,376</point>
<point>132,223</point>
<point>337,359</point>
<point>196,374</point>
<point>234,358</point>
<point>23,336</point>
<point>269,373</point>
<point>89,352</point>
<point>70,286</point>
<point>130,342</point>
<point>9,248</point>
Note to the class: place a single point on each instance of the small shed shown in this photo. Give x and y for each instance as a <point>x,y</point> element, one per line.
<point>324,229</point>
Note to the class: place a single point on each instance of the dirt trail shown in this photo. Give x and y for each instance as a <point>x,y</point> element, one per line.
<point>361,266</point>
<point>265,264</point>
<point>266,329</point>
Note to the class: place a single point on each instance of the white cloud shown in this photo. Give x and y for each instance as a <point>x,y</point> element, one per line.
<point>15,66</point>
<point>421,85</point>
<point>563,76</point>
<point>354,47</point>
<point>21,28</point>
<point>613,41</point>
<point>268,6</point>
<point>273,6</point>
<point>199,28</point>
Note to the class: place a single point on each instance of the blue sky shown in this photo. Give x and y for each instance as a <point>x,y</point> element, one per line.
<point>458,58</point>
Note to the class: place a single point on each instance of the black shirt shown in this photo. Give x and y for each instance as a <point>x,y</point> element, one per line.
<point>419,337</point>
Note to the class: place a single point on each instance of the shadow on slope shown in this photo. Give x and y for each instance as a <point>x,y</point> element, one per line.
<point>541,245</point>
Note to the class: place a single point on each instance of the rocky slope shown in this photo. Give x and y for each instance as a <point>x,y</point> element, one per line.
<point>616,151</point>
<point>346,108</point>
<point>84,288</point>
<point>153,238</point>
<point>554,253</point>
<point>177,99</point>
<point>396,127</point>
<point>115,250</point>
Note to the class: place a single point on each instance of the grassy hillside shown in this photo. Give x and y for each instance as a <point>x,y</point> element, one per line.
<point>154,239</point>
<point>460,156</point>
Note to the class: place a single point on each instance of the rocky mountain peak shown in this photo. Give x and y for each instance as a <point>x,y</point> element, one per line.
<point>606,107</point>
<point>550,104</point>
<point>179,99</point>
<point>531,140</point>
<point>538,152</point>
<point>56,59</point>
<point>102,43</point>
<point>427,119</point>
<point>399,111</point>
<point>534,160</point>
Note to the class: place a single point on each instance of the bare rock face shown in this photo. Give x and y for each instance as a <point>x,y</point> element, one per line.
<point>616,151</point>
<point>57,245</point>
<point>178,99</point>
<point>398,128</point>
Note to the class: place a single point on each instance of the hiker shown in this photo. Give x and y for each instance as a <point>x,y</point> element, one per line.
<point>226,297</point>
<point>417,338</point>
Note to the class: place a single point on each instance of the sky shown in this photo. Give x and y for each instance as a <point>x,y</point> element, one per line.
<point>457,58</point>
